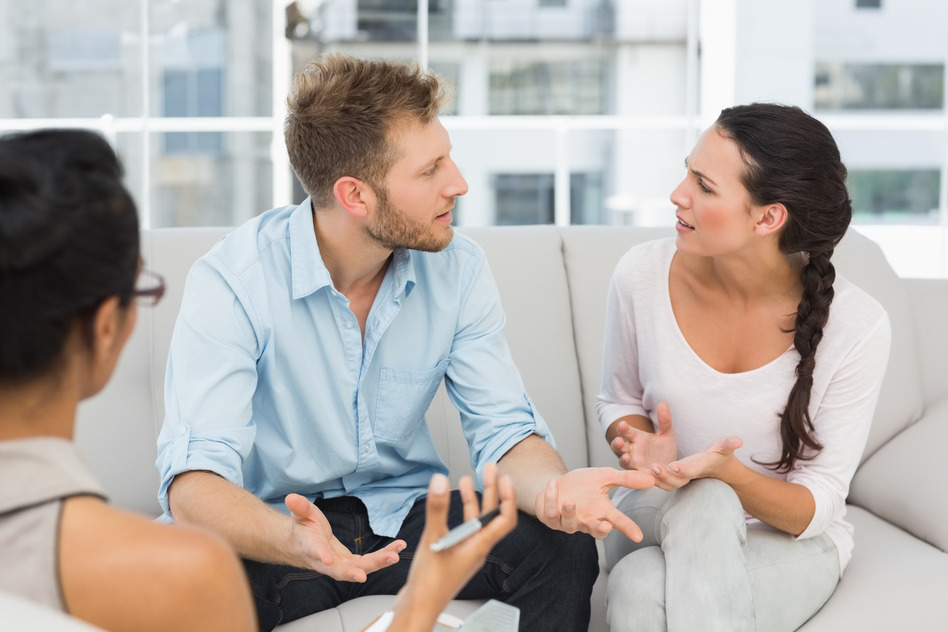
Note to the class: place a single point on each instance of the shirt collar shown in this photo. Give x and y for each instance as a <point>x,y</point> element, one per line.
<point>404,269</point>
<point>308,271</point>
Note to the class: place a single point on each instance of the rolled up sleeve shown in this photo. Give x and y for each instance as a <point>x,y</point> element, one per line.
<point>209,383</point>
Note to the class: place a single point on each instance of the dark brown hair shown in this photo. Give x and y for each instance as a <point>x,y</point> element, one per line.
<point>791,158</point>
<point>342,113</point>
<point>68,240</point>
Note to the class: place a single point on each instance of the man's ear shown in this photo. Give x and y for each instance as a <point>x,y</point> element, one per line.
<point>354,195</point>
<point>772,219</point>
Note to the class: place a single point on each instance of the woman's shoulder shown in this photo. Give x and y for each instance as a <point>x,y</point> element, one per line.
<point>853,306</point>
<point>119,570</point>
<point>647,258</point>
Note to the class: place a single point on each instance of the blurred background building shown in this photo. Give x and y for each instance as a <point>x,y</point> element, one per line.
<point>564,111</point>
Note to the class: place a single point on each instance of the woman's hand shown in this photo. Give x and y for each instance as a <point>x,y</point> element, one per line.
<point>639,449</point>
<point>436,577</point>
<point>712,463</point>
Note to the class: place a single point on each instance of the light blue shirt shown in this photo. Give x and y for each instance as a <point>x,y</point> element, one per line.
<point>270,384</point>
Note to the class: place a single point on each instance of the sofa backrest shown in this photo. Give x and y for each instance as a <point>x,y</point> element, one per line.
<point>552,282</point>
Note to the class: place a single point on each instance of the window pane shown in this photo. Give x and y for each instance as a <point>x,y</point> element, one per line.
<point>523,198</point>
<point>894,196</point>
<point>541,87</point>
<point>202,188</point>
<point>216,62</point>
<point>57,61</point>
<point>879,86</point>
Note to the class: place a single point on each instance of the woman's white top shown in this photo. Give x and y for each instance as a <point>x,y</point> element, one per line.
<point>646,360</point>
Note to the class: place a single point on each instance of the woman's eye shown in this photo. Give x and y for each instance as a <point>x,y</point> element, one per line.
<point>702,187</point>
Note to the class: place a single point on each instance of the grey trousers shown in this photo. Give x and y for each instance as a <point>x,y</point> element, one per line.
<point>701,567</point>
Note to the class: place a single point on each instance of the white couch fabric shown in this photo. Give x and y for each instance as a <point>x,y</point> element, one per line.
<point>553,285</point>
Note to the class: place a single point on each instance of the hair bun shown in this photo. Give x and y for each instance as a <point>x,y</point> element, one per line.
<point>30,228</point>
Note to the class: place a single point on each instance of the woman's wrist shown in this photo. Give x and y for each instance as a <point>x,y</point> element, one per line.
<point>413,612</point>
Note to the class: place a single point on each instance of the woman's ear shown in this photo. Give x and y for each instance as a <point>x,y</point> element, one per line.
<point>353,195</point>
<point>112,325</point>
<point>772,219</point>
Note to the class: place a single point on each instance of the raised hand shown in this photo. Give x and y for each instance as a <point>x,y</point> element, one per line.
<point>325,553</point>
<point>579,501</point>
<point>436,576</point>
<point>640,450</point>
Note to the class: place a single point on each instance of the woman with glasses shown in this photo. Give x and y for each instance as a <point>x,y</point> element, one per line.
<point>71,280</point>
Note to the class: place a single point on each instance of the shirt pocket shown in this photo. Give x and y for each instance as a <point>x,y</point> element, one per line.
<point>404,396</point>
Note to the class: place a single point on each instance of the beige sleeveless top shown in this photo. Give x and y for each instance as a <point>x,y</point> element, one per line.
<point>36,475</point>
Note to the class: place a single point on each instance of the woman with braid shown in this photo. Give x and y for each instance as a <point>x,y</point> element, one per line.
<point>742,373</point>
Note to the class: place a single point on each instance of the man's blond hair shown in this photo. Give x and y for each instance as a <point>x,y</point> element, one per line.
<point>343,113</point>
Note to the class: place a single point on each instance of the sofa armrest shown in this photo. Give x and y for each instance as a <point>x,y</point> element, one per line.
<point>929,300</point>
<point>904,482</point>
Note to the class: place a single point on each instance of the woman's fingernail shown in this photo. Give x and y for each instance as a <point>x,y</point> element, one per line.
<point>439,484</point>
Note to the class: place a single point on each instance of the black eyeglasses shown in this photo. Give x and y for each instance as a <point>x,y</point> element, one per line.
<point>149,288</point>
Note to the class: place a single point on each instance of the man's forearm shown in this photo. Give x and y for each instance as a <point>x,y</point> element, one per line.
<point>530,465</point>
<point>255,530</point>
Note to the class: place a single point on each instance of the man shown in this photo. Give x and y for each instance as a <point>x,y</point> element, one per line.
<point>311,341</point>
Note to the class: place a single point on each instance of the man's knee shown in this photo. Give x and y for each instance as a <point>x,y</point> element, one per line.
<point>573,553</point>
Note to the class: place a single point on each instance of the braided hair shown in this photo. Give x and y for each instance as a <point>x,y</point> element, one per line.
<point>791,158</point>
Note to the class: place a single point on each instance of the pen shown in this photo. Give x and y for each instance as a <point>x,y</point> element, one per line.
<point>464,530</point>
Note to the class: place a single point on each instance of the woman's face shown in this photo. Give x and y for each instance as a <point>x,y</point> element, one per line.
<point>714,210</point>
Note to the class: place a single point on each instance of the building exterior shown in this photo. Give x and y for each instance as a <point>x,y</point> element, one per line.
<point>565,111</point>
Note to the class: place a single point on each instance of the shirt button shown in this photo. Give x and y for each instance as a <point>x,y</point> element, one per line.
<point>181,430</point>
<point>365,448</point>
<point>349,325</point>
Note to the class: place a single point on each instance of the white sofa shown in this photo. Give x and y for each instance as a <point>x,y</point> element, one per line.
<point>553,283</point>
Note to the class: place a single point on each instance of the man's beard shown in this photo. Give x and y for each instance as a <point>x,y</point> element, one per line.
<point>393,229</point>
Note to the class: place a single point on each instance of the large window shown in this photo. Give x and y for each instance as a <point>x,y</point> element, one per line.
<point>564,111</point>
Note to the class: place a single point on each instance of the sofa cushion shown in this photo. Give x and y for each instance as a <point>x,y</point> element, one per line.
<point>900,481</point>
<point>527,262</point>
<point>590,254</point>
<point>929,306</point>
<point>894,582</point>
<point>900,400</point>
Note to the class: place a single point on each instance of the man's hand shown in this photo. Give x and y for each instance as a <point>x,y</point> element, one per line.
<point>579,501</point>
<point>640,450</point>
<point>325,553</point>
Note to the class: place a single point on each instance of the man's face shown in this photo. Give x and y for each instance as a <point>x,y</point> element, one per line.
<point>413,207</point>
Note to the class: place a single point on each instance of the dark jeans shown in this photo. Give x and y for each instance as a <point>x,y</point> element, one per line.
<point>548,574</point>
